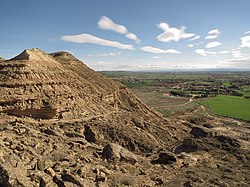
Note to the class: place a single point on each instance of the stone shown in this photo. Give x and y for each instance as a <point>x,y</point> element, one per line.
<point>8,139</point>
<point>101,177</point>
<point>58,181</point>
<point>201,132</point>
<point>69,184</point>
<point>49,132</point>
<point>100,168</point>
<point>46,181</point>
<point>50,172</point>
<point>191,145</point>
<point>114,152</point>
<point>89,134</point>
<point>165,157</point>
<point>70,178</point>
<point>43,164</point>
<point>228,140</point>
<point>20,130</point>
<point>209,126</point>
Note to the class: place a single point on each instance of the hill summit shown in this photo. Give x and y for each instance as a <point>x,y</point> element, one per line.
<point>34,54</point>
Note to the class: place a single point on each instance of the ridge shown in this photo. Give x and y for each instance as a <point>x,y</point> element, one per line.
<point>34,54</point>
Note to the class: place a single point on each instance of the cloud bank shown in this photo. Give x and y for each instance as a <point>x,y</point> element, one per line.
<point>88,38</point>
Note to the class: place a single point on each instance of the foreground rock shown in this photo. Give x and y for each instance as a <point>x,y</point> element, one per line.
<point>201,132</point>
<point>13,173</point>
<point>165,158</point>
<point>114,152</point>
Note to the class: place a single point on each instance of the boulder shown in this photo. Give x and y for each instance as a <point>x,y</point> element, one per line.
<point>209,126</point>
<point>165,157</point>
<point>43,164</point>
<point>191,145</point>
<point>101,177</point>
<point>43,179</point>
<point>201,132</point>
<point>89,134</point>
<point>114,152</point>
<point>69,178</point>
<point>228,140</point>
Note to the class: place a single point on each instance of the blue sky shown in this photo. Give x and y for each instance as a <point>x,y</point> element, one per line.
<point>133,34</point>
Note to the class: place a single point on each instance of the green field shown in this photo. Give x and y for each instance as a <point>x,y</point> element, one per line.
<point>231,106</point>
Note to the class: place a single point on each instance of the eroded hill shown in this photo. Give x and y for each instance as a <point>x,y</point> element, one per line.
<point>63,124</point>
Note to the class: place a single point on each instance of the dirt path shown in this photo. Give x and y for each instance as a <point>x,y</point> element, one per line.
<point>183,104</point>
<point>189,101</point>
<point>238,122</point>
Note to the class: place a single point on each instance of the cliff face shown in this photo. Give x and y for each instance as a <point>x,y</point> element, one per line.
<point>59,87</point>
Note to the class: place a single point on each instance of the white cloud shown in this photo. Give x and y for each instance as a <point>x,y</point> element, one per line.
<point>88,38</point>
<point>173,51</point>
<point>245,41</point>
<point>210,37</point>
<point>213,44</point>
<point>172,34</point>
<point>151,49</point>
<point>212,34</point>
<point>133,37</point>
<point>201,52</point>
<point>196,37</point>
<point>236,53</point>
<point>204,52</point>
<point>214,31</point>
<point>107,24</point>
<point>241,63</point>
<point>195,44</point>
<point>211,52</point>
<point>156,57</point>
<point>224,52</point>
<point>248,32</point>
<point>111,54</point>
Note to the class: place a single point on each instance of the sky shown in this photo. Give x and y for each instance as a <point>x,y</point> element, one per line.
<point>132,35</point>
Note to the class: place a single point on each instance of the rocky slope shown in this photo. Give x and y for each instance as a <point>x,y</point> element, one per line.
<point>63,124</point>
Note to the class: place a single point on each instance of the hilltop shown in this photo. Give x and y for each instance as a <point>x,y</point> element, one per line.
<point>63,124</point>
